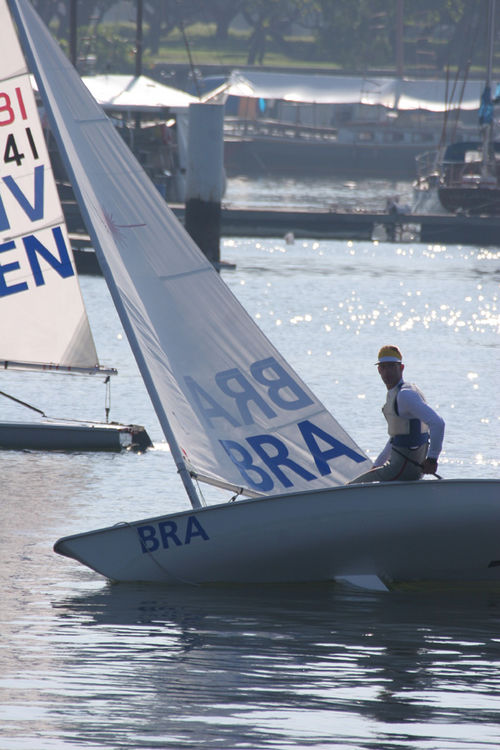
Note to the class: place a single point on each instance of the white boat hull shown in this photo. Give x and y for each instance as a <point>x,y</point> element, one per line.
<point>72,436</point>
<point>430,531</point>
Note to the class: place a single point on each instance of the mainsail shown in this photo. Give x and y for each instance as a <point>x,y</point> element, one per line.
<point>43,321</point>
<point>233,410</point>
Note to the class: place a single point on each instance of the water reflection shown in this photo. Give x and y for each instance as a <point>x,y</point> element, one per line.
<point>235,667</point>
<point>85,664</point>
<point>334,193</point>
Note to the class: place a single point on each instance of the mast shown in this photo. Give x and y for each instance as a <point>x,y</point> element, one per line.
<point>491,40</point>
<point>138,39</point>
<point>73,26</point>
<point>488,169</point>
<point>399,39</point>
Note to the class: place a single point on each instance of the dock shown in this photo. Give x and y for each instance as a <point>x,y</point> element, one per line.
<point>321,224</point>
<point>358,225</point>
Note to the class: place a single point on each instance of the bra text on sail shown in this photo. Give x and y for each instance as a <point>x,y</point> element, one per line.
<point>232,402</point>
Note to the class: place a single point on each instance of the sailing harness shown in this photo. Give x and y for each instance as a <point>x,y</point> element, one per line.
<point>413,439</point>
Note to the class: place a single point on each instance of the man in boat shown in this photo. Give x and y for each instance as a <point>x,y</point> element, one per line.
<point>415,430</point>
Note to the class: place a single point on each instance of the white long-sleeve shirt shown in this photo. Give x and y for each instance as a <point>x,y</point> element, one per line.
<point>412,406</point>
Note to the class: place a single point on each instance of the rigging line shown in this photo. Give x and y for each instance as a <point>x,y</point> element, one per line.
<point>70,420</point>
<point>200,491</point>
<point>413,462</point>
<point>191,64</point>
<point>442,139</point>
<point>23,403</point>
<point>236,496</point>
<point>449,98</point>
<point>231,486</point>
<point>107,398</point>
<point>466,75</point>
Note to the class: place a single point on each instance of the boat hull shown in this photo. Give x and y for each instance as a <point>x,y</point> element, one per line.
<point>72,436</point>
<point>256,157</point>
<point>430,531</point>
<point>473,200</point>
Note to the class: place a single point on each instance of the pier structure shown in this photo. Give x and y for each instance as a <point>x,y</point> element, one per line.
<point>324,224</point>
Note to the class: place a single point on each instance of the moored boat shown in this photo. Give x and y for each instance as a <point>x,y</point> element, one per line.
<point>465,177</point>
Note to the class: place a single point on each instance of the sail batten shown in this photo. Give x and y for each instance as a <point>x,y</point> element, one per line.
<point>232,409</point>
<point>19,235</point>
<point>175,276</point>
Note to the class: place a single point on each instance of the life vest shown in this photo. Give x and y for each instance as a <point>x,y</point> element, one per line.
<point>408,433</point>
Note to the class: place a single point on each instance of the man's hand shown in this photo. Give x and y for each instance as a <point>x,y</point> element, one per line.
<point>430,466</point>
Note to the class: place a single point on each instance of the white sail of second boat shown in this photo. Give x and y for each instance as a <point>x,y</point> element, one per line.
<point>43,321</point>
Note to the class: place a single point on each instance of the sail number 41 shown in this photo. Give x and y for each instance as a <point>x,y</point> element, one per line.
<point>12,152</point>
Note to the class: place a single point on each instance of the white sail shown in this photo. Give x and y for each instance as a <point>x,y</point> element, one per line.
<point>233,410</point>
<point>43,322</point>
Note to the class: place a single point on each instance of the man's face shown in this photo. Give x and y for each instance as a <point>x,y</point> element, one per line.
<point>390,372</point>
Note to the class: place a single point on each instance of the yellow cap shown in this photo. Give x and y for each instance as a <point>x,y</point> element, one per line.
<point>389,353</point>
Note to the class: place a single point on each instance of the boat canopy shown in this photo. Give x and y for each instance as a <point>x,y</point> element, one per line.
<point>456,152</point>
<point>133,93</point>
<point>127,93</point>
<point>393,93</point>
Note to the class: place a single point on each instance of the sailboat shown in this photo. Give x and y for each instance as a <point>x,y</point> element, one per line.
<point>466,177</point>
<point>43,324</point>
<point>234,412</point>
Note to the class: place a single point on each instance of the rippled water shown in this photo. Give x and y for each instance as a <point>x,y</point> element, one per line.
<point>334,192</point>
<point>140,667</point>
<point>88,664</point>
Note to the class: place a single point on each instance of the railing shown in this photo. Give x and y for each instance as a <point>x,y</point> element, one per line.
<point>357,133</point>
<point>430,166</point>
<point>239,128</point>
<point>427,164</point>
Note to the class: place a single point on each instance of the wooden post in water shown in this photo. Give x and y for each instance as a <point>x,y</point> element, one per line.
<point>205,177</point>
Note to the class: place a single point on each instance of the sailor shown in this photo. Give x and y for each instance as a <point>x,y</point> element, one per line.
<point>415,430</point>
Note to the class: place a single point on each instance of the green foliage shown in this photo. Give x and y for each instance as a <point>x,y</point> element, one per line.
<point>351,35</point>
<point>356,33</point>
<point>107,49</point>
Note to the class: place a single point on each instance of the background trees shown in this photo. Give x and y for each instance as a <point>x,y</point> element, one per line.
<point>349,35</point>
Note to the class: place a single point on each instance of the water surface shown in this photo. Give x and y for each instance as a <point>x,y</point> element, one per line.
<point>86,664</point>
